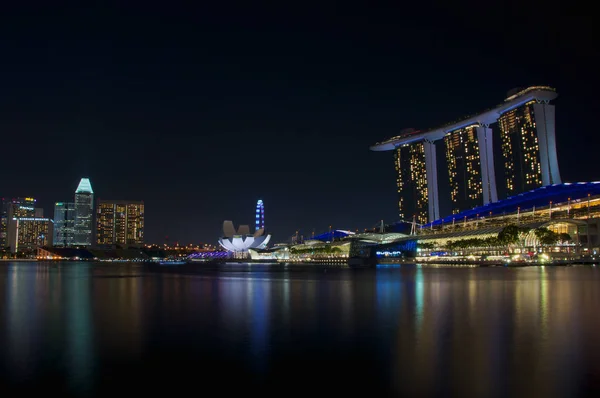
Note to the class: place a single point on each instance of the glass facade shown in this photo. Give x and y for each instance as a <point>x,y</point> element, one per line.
<point>120,223</point>
<point>84,214</point>
<point>464,169</point>
<point>64,223</point>
<point>520,149</point>
<point>412,182</point>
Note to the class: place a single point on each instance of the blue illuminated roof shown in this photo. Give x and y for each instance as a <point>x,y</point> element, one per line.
<point>540,197</point>
<point>85,186</point>
<point>327,236</point>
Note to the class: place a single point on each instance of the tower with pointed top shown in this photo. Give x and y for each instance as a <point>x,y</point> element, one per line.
<point>84,213</point>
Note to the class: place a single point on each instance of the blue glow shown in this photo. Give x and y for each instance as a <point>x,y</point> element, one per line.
<point>392,265</point>
<point>396,249</point>
<point>260,215</point>
<point>327,236</point>
<point>557,193</point>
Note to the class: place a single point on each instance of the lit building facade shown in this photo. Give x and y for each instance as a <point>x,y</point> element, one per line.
<point>26,234</point>
<point>84,214</point>
<point>120,222</point>
<point>411,180</point>
<point>22,207</point>
<point>464,169</point>
<point>524,128</point>
<point>4,223</point>
<point>526,145</point>
<point>64,224</point>
<point>11,208</point>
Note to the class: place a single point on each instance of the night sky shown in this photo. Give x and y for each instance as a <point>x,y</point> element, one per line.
<point>200,112</point>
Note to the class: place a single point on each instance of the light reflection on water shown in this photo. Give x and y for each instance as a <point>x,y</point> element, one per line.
<point>405,329</point>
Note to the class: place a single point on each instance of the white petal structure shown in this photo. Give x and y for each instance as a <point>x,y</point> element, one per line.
<point>227,245</point>
<point>243,240</point>
<point>265,242</point>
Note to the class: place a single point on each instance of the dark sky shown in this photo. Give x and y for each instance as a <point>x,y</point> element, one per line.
<point>201,111</point>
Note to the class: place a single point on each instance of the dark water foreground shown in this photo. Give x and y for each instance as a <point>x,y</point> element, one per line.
<point>76,329</point>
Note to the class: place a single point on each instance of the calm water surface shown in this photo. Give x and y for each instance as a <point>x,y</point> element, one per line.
<point>84,329</point>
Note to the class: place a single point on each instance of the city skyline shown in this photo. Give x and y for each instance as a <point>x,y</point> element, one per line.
<point>401,198</point>
<point>144,114</point>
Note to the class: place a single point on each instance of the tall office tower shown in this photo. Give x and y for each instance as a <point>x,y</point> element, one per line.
<point>22,207</point>
<point>411,180</point>
<point>4,205</point>
<point>11,208</point>
<point>26,234</point>
<point>464,169</point>
<point>64,223</point>
<point>84,213</point>
<point>120,222</point>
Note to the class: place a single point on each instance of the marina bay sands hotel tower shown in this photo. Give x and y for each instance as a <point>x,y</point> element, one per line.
<point>510,148</point>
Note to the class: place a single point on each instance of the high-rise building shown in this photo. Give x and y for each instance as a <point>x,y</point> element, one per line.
<point>4,205</point>
<point>11,208</point>
<point>524,127</point>
<point>64,223</point>
<point>84,214</point>
<point>528,149</point>
<point>22,207</point>
<point>411,180</point>
<point>464,169</point>
<point>120,222</point>
<point>26,234</point>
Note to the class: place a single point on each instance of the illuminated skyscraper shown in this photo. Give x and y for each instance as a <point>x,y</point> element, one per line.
<point>64,223</point>
<point>26,234</point>
<point>120,222</point>
<point>4,223</point>
<point>528,147</point>
<point>22,207</point>
<point>84,213</point>
<point>527,137</point>
<point>411,179</point>
<point>12,208</point>
<point>464,169</point>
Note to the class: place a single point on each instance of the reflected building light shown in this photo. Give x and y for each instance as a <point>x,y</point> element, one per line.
<point>419,293</point>
<point>79,332</point>
<point>21,321</point>
<point>259,297</point>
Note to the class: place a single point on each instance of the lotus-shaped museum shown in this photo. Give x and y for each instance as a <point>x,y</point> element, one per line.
<point>241,240</point>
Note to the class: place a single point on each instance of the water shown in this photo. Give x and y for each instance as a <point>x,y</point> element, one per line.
<point>80,329</point>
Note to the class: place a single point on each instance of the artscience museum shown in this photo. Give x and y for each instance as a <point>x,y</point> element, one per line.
<point>240,241</point>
